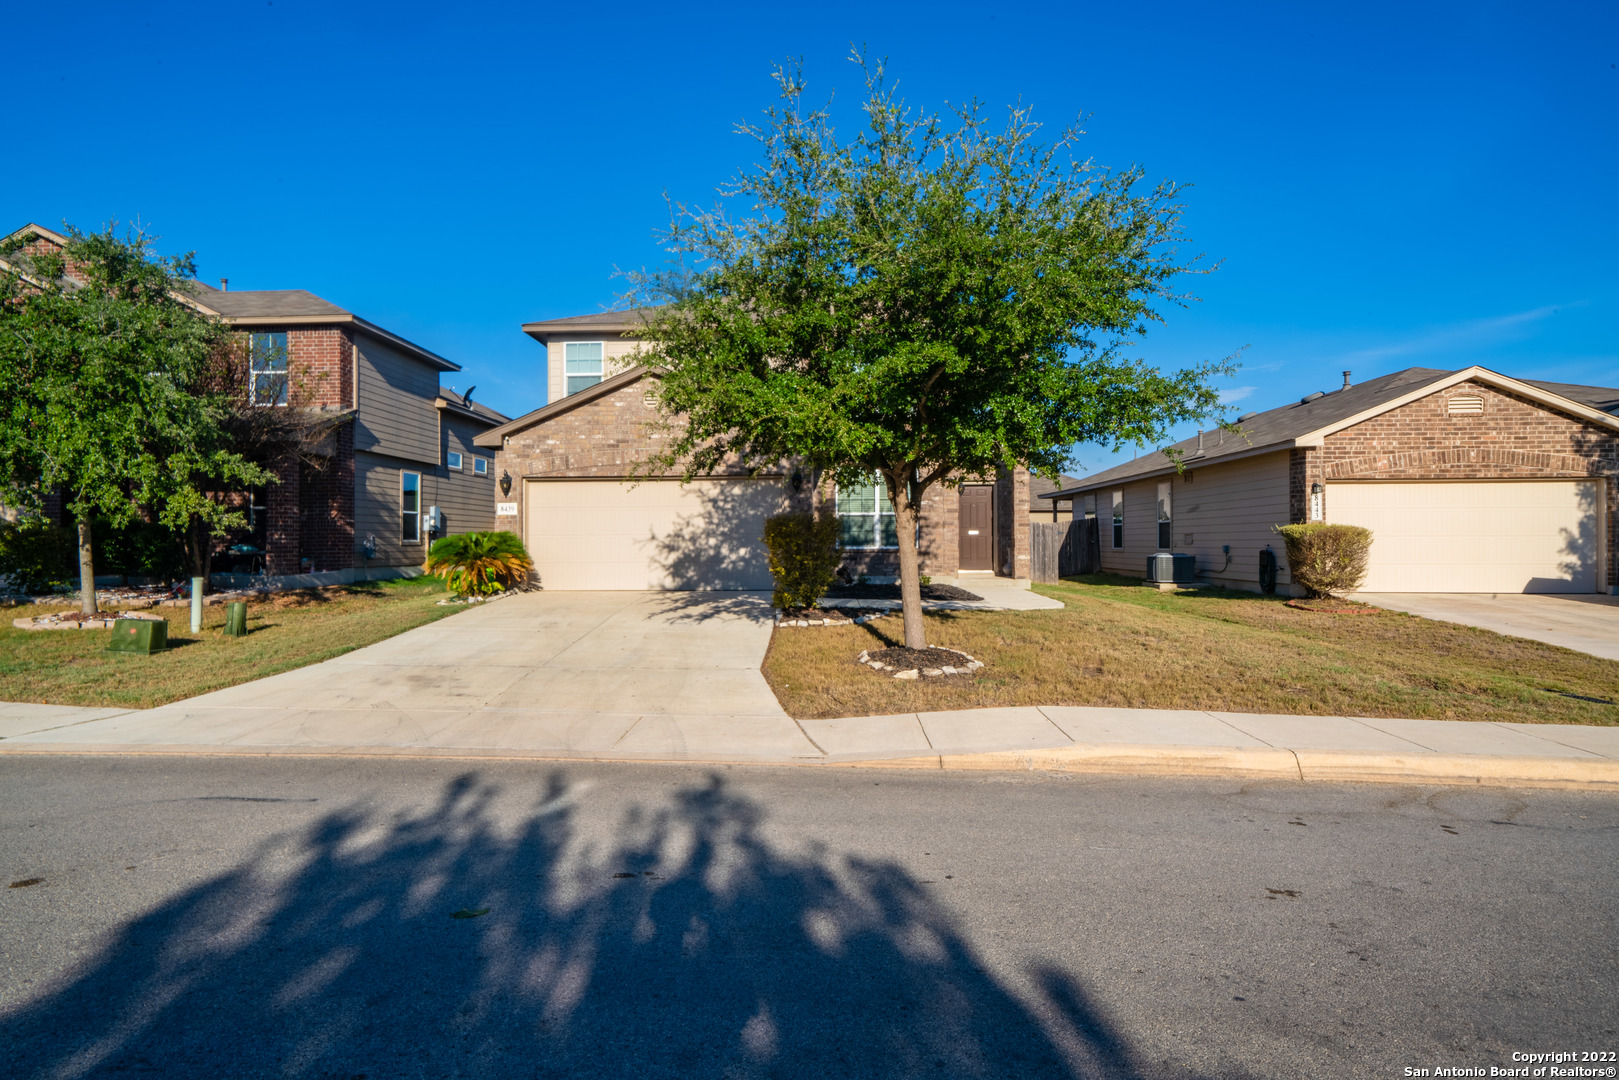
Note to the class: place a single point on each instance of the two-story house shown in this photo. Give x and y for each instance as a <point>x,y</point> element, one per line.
<point>588,525</point>
<point>400,466</point>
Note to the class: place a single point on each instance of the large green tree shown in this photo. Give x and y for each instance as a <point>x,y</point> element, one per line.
<point>101,355</point>
<point>937,298</point>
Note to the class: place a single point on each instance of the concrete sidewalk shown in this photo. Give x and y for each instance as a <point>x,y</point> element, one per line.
<point>1060,738</point>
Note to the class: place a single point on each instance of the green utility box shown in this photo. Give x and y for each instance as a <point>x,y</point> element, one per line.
<point>236,619</point>
<point>144,636</point>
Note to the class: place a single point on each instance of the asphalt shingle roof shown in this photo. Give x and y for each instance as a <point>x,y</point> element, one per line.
<point>1280,426</point>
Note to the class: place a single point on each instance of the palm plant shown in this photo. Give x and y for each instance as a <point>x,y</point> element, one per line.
<point>480,563</point>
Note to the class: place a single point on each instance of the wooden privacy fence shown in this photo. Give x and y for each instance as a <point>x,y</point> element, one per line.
<point>1059,549</point>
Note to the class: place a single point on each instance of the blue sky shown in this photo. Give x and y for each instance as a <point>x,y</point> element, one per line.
<point>1382,185</point>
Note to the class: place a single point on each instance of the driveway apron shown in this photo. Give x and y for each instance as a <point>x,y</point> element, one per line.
<point>636,674</point>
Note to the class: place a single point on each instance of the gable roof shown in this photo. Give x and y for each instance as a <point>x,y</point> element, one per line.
<point>496,436</point>
<point>1308,421</point>
<point>603,322</point>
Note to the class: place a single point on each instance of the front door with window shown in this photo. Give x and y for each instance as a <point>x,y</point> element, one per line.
<point>977,527</point>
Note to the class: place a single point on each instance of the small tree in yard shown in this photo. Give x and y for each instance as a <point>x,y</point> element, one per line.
<point>99,354</point>
<point>480,563</point>
<point>931,300</point>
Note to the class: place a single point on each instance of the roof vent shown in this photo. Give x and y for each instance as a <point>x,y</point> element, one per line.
<point>1245,417</point>
<point>1346,381</point>
<point>1307,398</point>
<point>1465,405</point>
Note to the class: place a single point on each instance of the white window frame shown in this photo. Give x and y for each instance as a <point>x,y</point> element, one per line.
<point>877,513</point>
<point>255,372</point>
<point>480,466</point>
<point>1118,520</point>
<point>569,373</point>
<point>1166,516</point>
<point>410,521</point>
<point>453,460</point>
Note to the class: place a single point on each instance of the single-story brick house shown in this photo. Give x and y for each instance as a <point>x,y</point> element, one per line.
<point>402,446</point>
<point>1470,481</point>
<point>564,468</point>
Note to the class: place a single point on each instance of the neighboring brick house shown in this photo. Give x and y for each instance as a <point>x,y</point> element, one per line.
<point>401,445</point>
<point>1470,481</point>
<point>566,471</point>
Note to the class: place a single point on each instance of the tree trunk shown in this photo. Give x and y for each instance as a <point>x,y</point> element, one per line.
<point>910,580</point>
<point>87,569</point>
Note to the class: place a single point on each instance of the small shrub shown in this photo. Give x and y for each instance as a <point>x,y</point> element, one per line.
<point>803,553</point>
<point>480,563</point>
<point>38,557</point>
<point>1327,560</point>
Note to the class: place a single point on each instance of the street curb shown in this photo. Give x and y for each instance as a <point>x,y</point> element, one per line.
<point>1332,766</point>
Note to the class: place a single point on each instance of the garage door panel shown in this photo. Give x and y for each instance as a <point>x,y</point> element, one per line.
<point>1475,536</point>
<point>606,534</point>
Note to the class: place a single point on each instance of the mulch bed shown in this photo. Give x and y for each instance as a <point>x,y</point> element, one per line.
<point>827,616</point>
<point>1334,607</point>
<point>901,663</point>
<point>891,592</point>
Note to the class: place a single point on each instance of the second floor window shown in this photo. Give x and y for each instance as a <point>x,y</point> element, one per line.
<point>267,368</point>
<point>582,364</point>
<point>866,515</point>
<point>480,466</point>
<point>452,459</point>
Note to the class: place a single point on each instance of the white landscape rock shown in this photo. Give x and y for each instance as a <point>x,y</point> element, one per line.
<point>911,674</point>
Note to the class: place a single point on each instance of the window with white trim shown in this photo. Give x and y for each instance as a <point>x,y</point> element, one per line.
<point>1118,519</point>
<point>452,460</point>
<point>410,507</point>
<point>1166,524</point>
<point>866,515</point>
<point>581,364</point>
<point>267,368</point>
<point>480,466</point>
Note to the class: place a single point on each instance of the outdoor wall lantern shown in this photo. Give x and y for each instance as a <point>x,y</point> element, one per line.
<point>506,483</point>
<point>1315,502</point>
<point>798,480</point>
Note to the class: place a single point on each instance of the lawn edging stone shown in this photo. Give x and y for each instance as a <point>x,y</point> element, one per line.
<point>919,671</point>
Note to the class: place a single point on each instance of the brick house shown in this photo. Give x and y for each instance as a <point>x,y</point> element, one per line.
<point>401,446</point>
<point>1470,481</point>
<point>565,472</point>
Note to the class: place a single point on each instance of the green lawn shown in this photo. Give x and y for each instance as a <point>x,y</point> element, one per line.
<point>286,631</point>
<point>1120,644</point>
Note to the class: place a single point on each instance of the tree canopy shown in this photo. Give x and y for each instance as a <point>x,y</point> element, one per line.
<point>101,354</point>
<point>935,299</point>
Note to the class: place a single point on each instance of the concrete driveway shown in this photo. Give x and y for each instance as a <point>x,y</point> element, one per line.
<point>1586,622</point>
<point>638,674</point>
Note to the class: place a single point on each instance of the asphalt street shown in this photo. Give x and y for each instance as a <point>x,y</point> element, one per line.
<point>377,918</point>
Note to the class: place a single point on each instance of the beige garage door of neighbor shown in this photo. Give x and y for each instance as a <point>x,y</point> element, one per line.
<point>605,534</point>
<point>1537,536</point>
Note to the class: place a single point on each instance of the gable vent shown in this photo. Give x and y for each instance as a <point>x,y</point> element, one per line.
<point>1465,405</point>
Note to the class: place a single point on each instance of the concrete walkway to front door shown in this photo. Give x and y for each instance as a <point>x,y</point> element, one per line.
<point>1586,622</point>
<point>637,674</point>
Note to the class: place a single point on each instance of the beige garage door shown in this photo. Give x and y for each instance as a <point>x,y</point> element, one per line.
<point>1475,536</point>
<point>605,534</point>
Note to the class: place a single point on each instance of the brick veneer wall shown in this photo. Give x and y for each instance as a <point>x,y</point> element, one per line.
<point>1513,439</point>
<point>321,363</point>
<point>282,543</point>
<point>608,436</point>
<point>311,509</point>
<point>326,507</point>
<point>1304,468</point>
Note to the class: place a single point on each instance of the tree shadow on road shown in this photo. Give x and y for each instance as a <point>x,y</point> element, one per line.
<point>685,946</point>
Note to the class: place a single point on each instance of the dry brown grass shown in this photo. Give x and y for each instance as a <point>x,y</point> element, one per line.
<point>289,630</point>
<point>1119,644</point>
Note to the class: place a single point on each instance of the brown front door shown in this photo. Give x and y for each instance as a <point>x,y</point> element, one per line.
<point>977,528</point>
